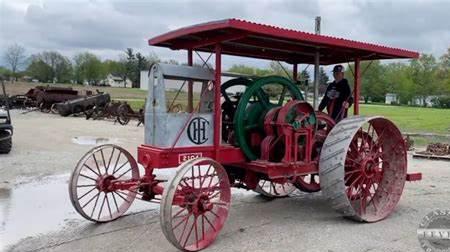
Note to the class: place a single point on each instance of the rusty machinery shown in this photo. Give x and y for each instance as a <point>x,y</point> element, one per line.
<point>265,138</point>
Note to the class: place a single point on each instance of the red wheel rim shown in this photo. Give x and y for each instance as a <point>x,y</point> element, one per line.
<point>195,204</point>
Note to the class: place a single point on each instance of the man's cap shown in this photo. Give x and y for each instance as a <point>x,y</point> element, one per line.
<point>338,69</point>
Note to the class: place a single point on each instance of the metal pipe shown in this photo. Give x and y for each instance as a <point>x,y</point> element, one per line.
<point>357,86</point>
<point>316,80</point>
<point>217,110</point>
<point>294,73</point>
<point>316,68</point>
<point>190,106</point>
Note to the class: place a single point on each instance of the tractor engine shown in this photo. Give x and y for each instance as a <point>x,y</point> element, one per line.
<point>270,121</point>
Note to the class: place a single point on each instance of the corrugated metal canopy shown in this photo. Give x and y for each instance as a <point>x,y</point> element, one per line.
<point>248,39</point>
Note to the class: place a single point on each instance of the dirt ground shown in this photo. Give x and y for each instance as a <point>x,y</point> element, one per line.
<point>36,215</point>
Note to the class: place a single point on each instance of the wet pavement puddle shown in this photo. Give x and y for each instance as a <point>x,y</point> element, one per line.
<point>39,207</point>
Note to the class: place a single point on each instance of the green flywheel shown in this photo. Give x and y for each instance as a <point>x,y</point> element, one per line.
<point>261,95</point>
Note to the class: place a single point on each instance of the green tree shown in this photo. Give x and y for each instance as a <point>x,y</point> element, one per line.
<point>88,67</point>
<point>373,81</point>
<point>131,67</point>
<point>304,76</point>
<point>399,81</point>
<point>50,66</point>
<point>323,77</point>
<point>5,73</point>
<point>242,69</point>
<point>423,73</point>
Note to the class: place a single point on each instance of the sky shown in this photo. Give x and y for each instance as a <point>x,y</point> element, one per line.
<point>107,28</point>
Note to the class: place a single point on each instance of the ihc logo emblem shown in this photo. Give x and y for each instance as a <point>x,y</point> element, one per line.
<point>197,130</point>
<point>434,231</point>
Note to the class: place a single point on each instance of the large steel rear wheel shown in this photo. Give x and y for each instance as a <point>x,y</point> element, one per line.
<point>363,167</point>
<point>195,204</point>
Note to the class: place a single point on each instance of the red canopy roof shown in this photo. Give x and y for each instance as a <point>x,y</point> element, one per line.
<point>248,39</point>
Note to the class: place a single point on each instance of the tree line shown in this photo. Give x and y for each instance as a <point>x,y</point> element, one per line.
<point>84,67</point>
<point>420,78</point>
<point>414,79</point>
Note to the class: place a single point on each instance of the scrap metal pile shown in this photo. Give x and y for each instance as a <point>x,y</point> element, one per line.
<point>438,149</point>
<point>66,101</point>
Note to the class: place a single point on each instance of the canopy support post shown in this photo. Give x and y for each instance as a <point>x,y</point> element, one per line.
<point>217,109</point>
<point>357,86</point>
<point>316,79</point>
<point>294,73</point>
<point>316,67</point>
<point>190,106</point>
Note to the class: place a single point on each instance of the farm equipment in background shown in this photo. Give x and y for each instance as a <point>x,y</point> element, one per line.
<point>267,139</point>
<point>100,112</point>
<point>6,128</point>
<point>80,105</point>
<point>45,97</point>
<point>125,113</point>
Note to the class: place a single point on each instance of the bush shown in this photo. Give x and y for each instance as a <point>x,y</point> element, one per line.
<point>442,102</point>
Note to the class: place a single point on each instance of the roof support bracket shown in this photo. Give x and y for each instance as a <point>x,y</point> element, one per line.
<point>210,40</point>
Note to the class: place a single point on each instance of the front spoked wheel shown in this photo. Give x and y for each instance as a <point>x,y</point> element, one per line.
<point>195,204</point>
<point>91,187</point>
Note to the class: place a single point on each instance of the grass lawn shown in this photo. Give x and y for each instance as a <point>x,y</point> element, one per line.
<point>412,119</point>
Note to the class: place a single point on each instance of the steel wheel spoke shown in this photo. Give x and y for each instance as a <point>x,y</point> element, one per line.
<point>184,229</point>
<point>115,202</point>
<point>86,193</point>
<point>185,219</point>
<point>96,163</point>
<point>104,162</point>
<point>95,205</point>
<point>207,220</point>
<point>86,185</point>
<point>101,207</point>
<point>85,176</point>
<point>124,173</point>
<point>282,96</point>
<point>120,167</point>
<point>190,232</point>
<point>262,99</point>
<point>118,194</point>
<point>85,165</point>
<point>111,156</point>
<point>109,207</point>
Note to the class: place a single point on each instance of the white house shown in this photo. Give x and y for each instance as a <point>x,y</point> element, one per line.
<point>428,101</point>
<point>116,81</point>
<point>391,98</point>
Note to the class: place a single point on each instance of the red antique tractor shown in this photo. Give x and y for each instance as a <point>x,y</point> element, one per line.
<point>265,138</point>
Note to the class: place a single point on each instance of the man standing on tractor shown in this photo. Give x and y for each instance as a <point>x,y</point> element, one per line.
<point>337,97</point>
